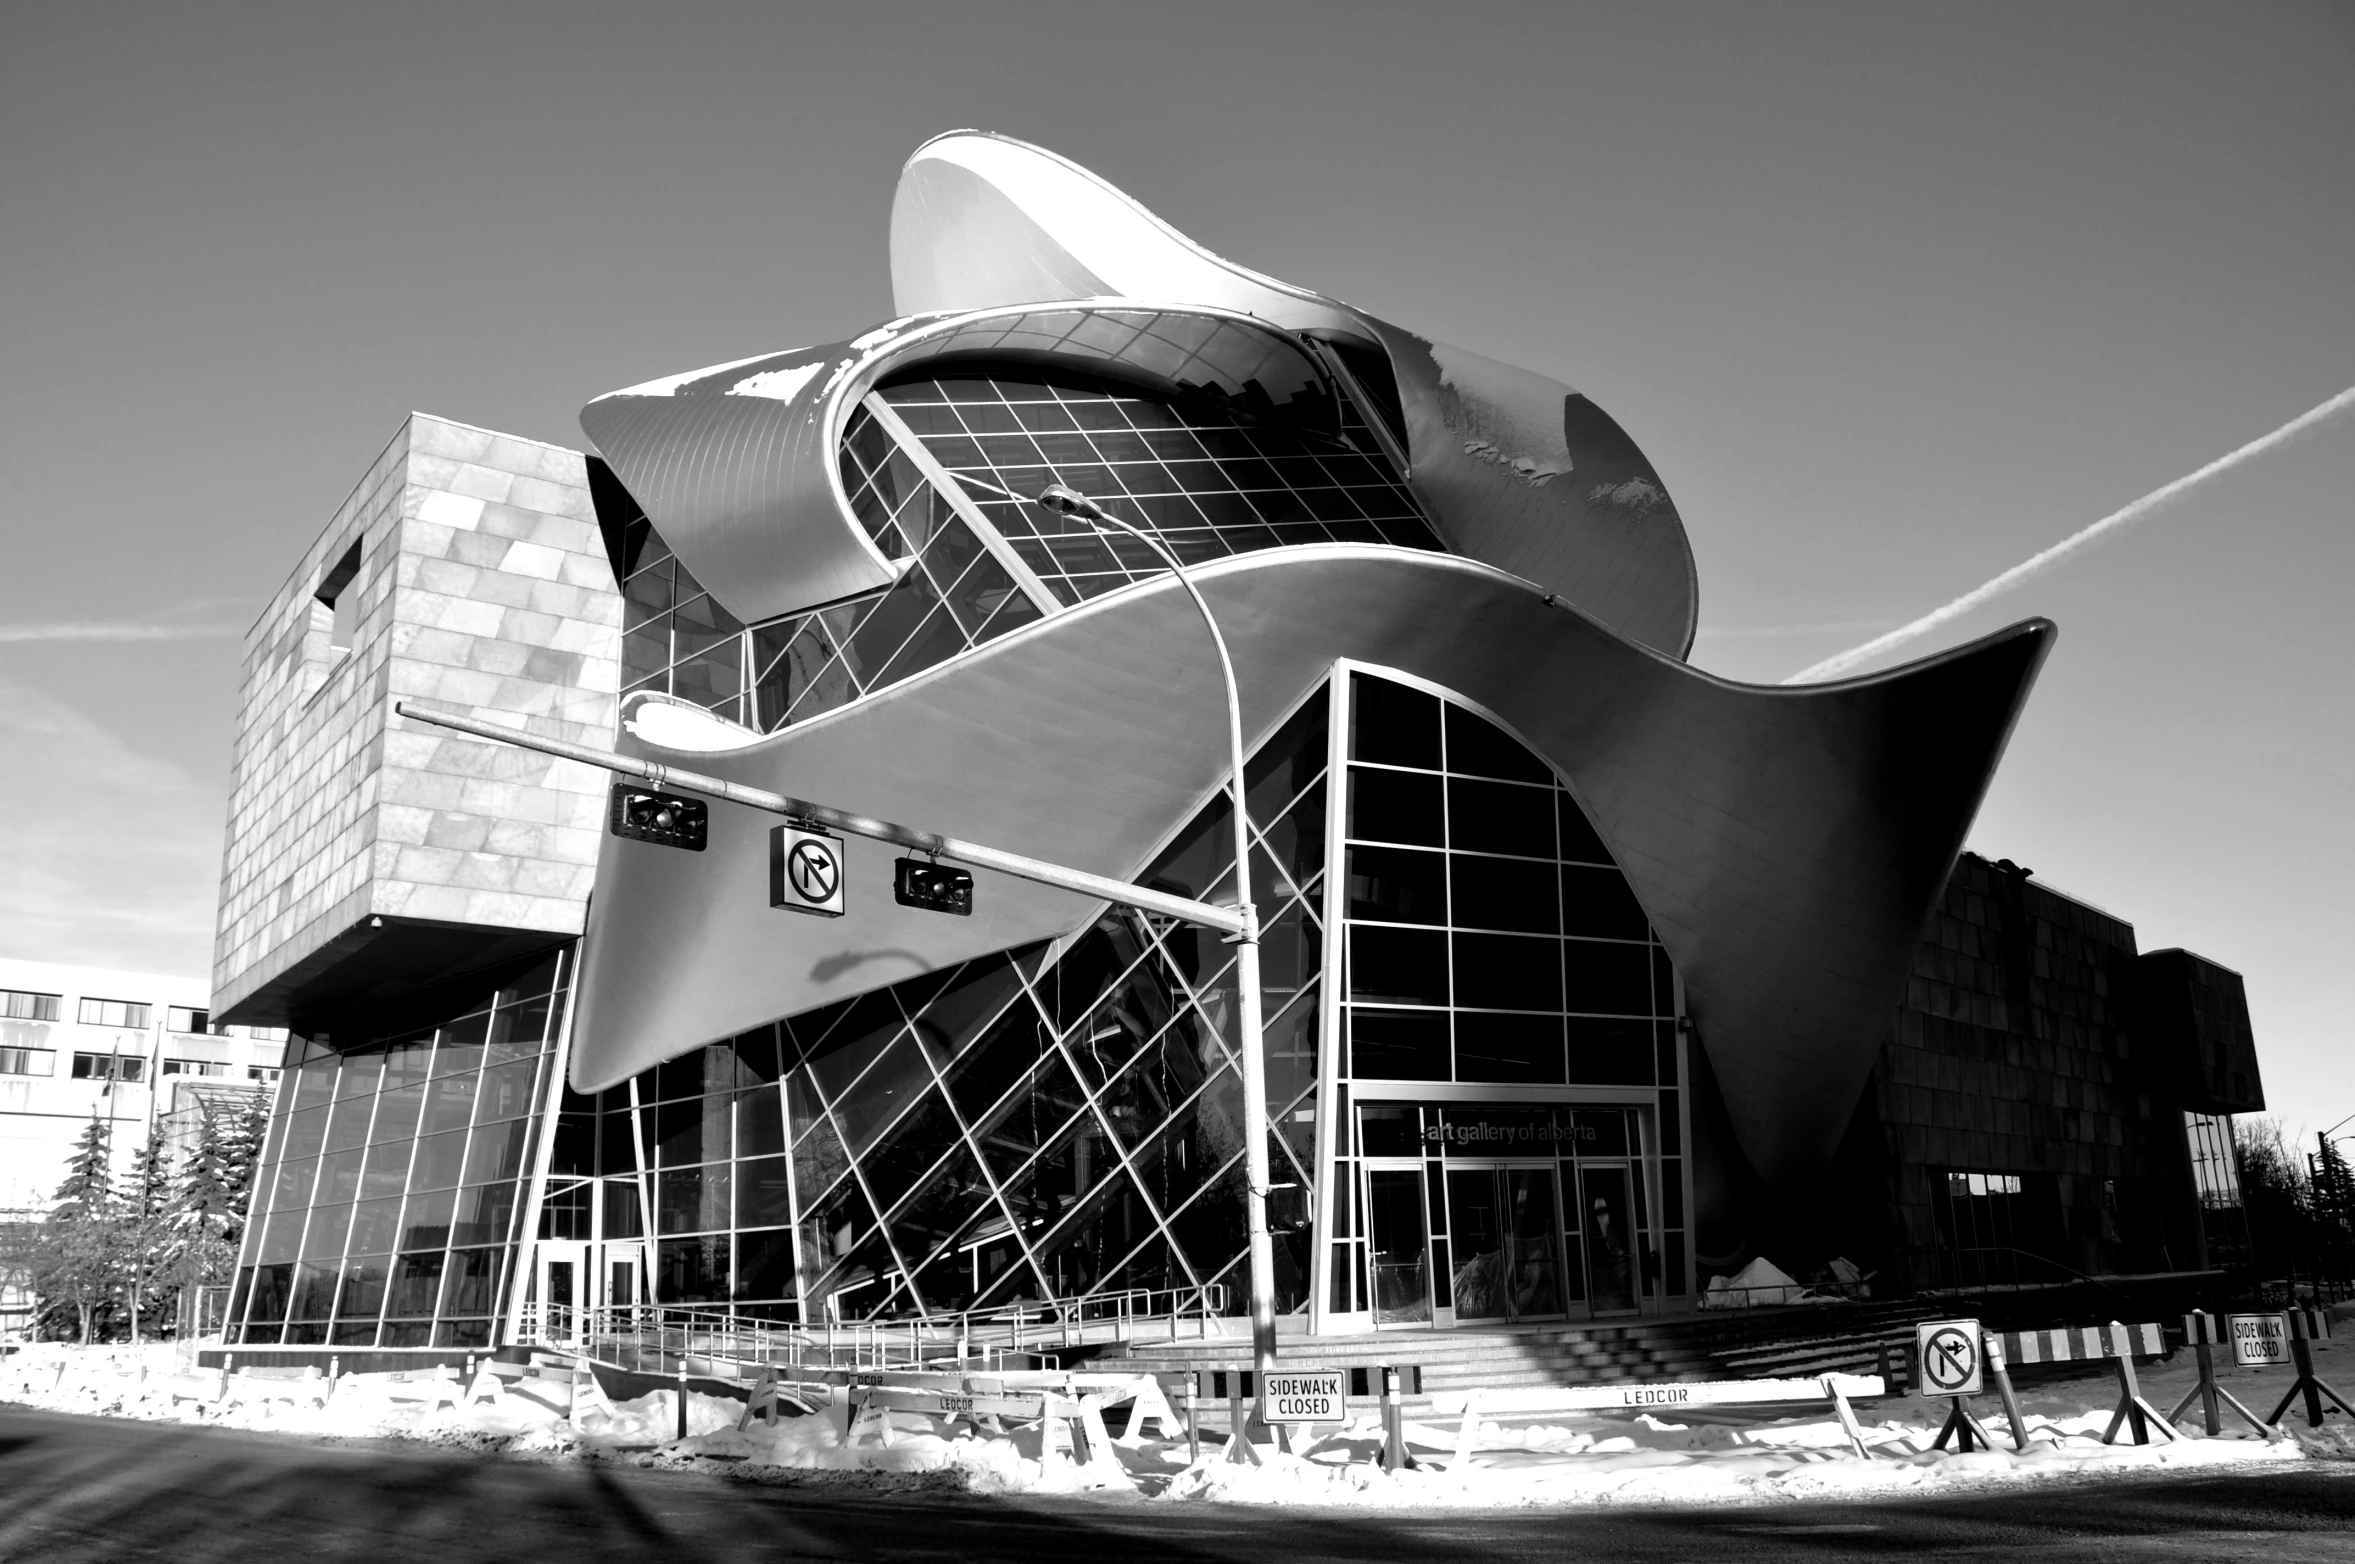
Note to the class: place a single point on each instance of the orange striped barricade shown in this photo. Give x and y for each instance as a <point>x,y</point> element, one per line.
<point>2255,1339</point>
<point>268,1385</point>
<point>2121,1345</point>
<point>1072,1427</point>
<point>1645,1396</point>
<point>588,1394</point>
<point>2308,1326</point>
<point>774,1396</point>
<point>203,1385</point>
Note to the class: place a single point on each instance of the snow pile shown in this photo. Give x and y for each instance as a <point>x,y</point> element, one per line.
<point>1594,1460</point>
<point>1585,1459</point>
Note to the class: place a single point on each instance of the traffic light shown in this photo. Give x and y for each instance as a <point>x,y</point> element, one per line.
<point>935,887</point>
<point>644,815</point>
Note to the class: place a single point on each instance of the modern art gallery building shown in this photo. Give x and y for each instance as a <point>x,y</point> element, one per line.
<point>1578,963</point>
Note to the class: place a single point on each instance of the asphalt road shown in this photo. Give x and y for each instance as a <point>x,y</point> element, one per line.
<point>83,1488</point>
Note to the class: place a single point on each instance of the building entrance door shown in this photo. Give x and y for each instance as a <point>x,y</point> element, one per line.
<point>561,1286</point>
<point>1398,1241</point>
<point>1614,1282</point>
<point>1505,1238</point>
<point>622,1295</point>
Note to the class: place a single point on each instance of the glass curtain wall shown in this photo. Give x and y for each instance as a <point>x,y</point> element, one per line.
<point>386,1201</point>
<point>1056,1122</point>
<point>1489,940</point>
<point>1210,473</point>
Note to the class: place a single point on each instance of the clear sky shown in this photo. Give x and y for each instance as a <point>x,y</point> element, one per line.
<point>1893,295</point>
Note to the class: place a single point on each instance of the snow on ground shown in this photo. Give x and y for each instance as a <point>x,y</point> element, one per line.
<point>1567,1459</point>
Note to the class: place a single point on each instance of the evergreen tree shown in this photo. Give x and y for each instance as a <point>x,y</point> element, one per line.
<point>241,1155</point>
<point>88,1190</point>
<point>146,1225</point>
<point>76,1260</point>
<point>203,1207</point>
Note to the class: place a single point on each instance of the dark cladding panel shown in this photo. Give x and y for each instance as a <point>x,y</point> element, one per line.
<point>2192,1029</point>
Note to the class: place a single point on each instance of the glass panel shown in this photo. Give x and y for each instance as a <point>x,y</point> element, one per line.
<point>1400,966</point>
<point>507,1090</point>
<point>416,1283</point>
<point>1398,1045</point>
<point>1607,979</point>
<point>1390,723</point>
<point>1395,806</point>
<point>1503,893</point>
<point>440,1160</point>
<point>692,1200</point>
<point>1476,1239</point>
<point>1533,1259</point>
<point>692,1270</point>
<point>450,1105</point>
<point>1398,1247</point>
<point>376,1225</point>
<point>1397,885</point>
<point>762,1190</point>
<point>362,1297</point>
<point>484,1215</point>
<point>1610,1238</point>
<point>764,1264</point>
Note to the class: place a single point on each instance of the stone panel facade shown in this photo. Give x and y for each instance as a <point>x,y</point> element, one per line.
<point>359,844</point>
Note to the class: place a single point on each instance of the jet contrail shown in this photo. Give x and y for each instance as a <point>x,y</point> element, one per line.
<point>112,630</point>
<point>1843,661</point>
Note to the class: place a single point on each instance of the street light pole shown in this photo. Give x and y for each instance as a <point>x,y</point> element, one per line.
<point>1069,502</point>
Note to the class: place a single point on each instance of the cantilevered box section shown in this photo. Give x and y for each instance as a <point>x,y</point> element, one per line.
<point>365,855</point>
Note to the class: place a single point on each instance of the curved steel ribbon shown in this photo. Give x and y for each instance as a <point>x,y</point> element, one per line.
<point>1517,469</point>
<point>1786,842</point>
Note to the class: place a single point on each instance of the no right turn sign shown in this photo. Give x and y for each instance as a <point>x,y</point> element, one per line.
<point>1949,1353</point>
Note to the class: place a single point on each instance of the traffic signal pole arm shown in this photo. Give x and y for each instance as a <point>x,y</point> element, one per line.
<point>1239,923</point>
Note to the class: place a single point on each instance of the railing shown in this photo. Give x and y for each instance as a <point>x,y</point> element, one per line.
<point>1982,1269</point>
<point>687,1338</point>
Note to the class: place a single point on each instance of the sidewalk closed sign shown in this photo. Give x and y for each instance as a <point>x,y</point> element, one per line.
<point>1305,1396</point>
<point>2258,1339</point>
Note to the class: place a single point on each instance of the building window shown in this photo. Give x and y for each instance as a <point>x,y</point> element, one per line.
<point>114,1012</point>
<point>27,1061</point>
<point>265,1074</point>
<point>22,1006</point>
<point>180,1018</point>
<point>339,595</point>
<point>2215,1170</point>
<point>194,1067</point>
<point>384,1213</point>
<point>1998,1229</point>
<point>109,1067</point>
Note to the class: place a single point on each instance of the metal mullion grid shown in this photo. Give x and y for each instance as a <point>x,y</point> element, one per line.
<point>1021,995</point>
<point>836,657</point>
<point>308,1206</point>
<point>392,1261</point>
<point>267,1170</point>
<point>1209,1182</point>
<point>1259,838</point>
<point>367,1149</point>
<point>1176,1112</point>
<point>1335,1141</point>
<point>1126,1163</point>
<point>1095,1107</point>
<point>854,1170</point>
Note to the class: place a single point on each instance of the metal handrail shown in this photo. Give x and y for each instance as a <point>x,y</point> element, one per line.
<point>674,1337</point>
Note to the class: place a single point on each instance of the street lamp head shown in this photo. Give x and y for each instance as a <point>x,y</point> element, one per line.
<point>1064,500</point>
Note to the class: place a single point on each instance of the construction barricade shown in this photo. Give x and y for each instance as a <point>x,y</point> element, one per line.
<point>1836,1391</point>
